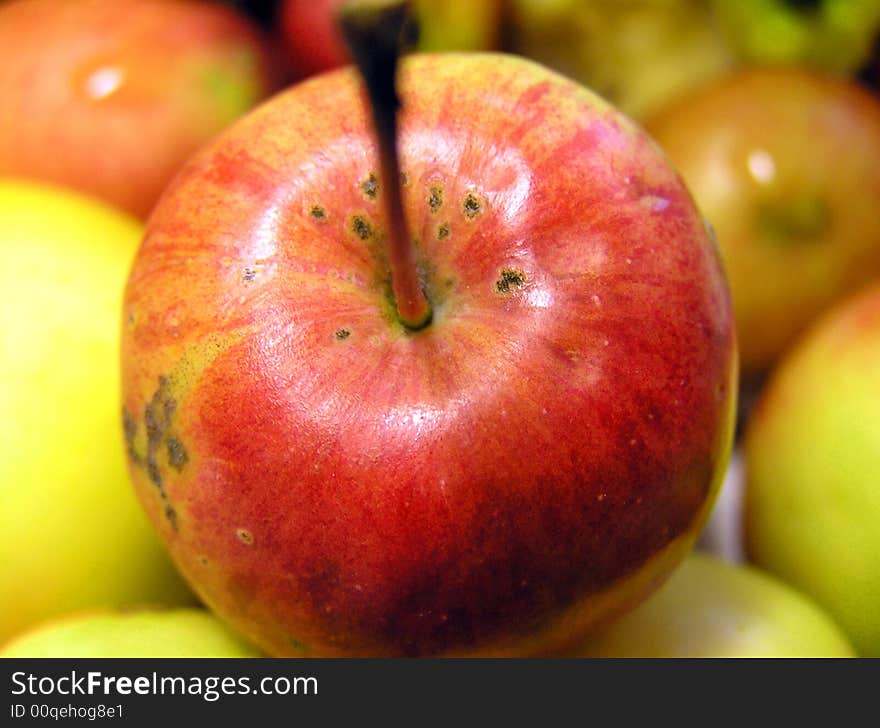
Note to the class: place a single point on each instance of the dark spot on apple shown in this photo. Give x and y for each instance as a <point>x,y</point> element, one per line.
<point>203,560</point>
<point>471,206</point>
<point>510,278</point>
<point>404,179</point>
<point>361,228</point>
<point>158,416</point>
<point>296,645</point>
<point>245,536</point>
<point>443,231</point>
<point>435,198</point>
<point>370,187</point>
<point>177,456</point>
<point>153,472</point>
<point>154,428</point>
<point>342,334</point>
<point>248,274</point>
<point>129,429</point>
<point>318,212</point>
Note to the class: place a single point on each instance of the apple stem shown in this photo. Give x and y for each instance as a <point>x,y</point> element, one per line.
<point>373,30</point>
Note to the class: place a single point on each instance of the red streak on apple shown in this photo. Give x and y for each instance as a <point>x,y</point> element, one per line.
<point>534,461</point>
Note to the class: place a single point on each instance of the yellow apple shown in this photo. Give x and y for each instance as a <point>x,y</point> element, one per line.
<point>712,608</point>
<point>812,455</point>
<point>182,632</point>
<point>72,534</point>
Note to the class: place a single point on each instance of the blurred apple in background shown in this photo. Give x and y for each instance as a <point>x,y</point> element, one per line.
<point>710,608</point>
<point>314,43</point>
<point>639,54</point>
<point>812,451</point>
<point>110,96</point>
<point>72,534</point>
<point>185,632</point>
<point>785,164</point>
<point>834,35</point>
<point>461,25</point>
<point>311,37</point>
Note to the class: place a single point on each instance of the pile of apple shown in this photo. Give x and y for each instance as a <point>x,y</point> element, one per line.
<point>439,353</point>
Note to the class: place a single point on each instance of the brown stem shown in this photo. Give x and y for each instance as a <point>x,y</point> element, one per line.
<point>373,30</point>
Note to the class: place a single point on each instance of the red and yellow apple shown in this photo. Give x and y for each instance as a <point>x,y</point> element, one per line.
<point>785,164</point>
<point>72,535</point>
<point>711,608</point>
<point>538,457</point>
<point>110,96</point>
<point>181,632</point>
<point>812,453</point>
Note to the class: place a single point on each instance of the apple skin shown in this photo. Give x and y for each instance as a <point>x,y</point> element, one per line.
<point>538,457</point>
<point>72,535</point>
<point>713,609</point>
<point>785,165</point>
<point>181,632</point>
<point>812,503</point>
<point>110,96</point>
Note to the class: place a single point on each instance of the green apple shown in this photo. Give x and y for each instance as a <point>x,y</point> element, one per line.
<point>182,632</point>
<point>639,54</point>
<point>72,534</point>
<point>812,453</point>
<point>712,608</point>
<point>461,25</point>
<point>835,35</point>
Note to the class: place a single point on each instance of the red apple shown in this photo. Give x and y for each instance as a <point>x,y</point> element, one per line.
<point>311,37</point>
<point>785,164</point>
<point>110,96</point>
<point>536,458</point>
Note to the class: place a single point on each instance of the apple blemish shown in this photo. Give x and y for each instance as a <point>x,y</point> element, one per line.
<point>342,334</point>
<point>510,279</point>
<point>158,416</point>
<point>361,228</point>
<point>435,198</point>
<point>443,231</point>
<point>177,456</point>
<point>318,212</point>
<point>471,206</point>
<point>370,187</point>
